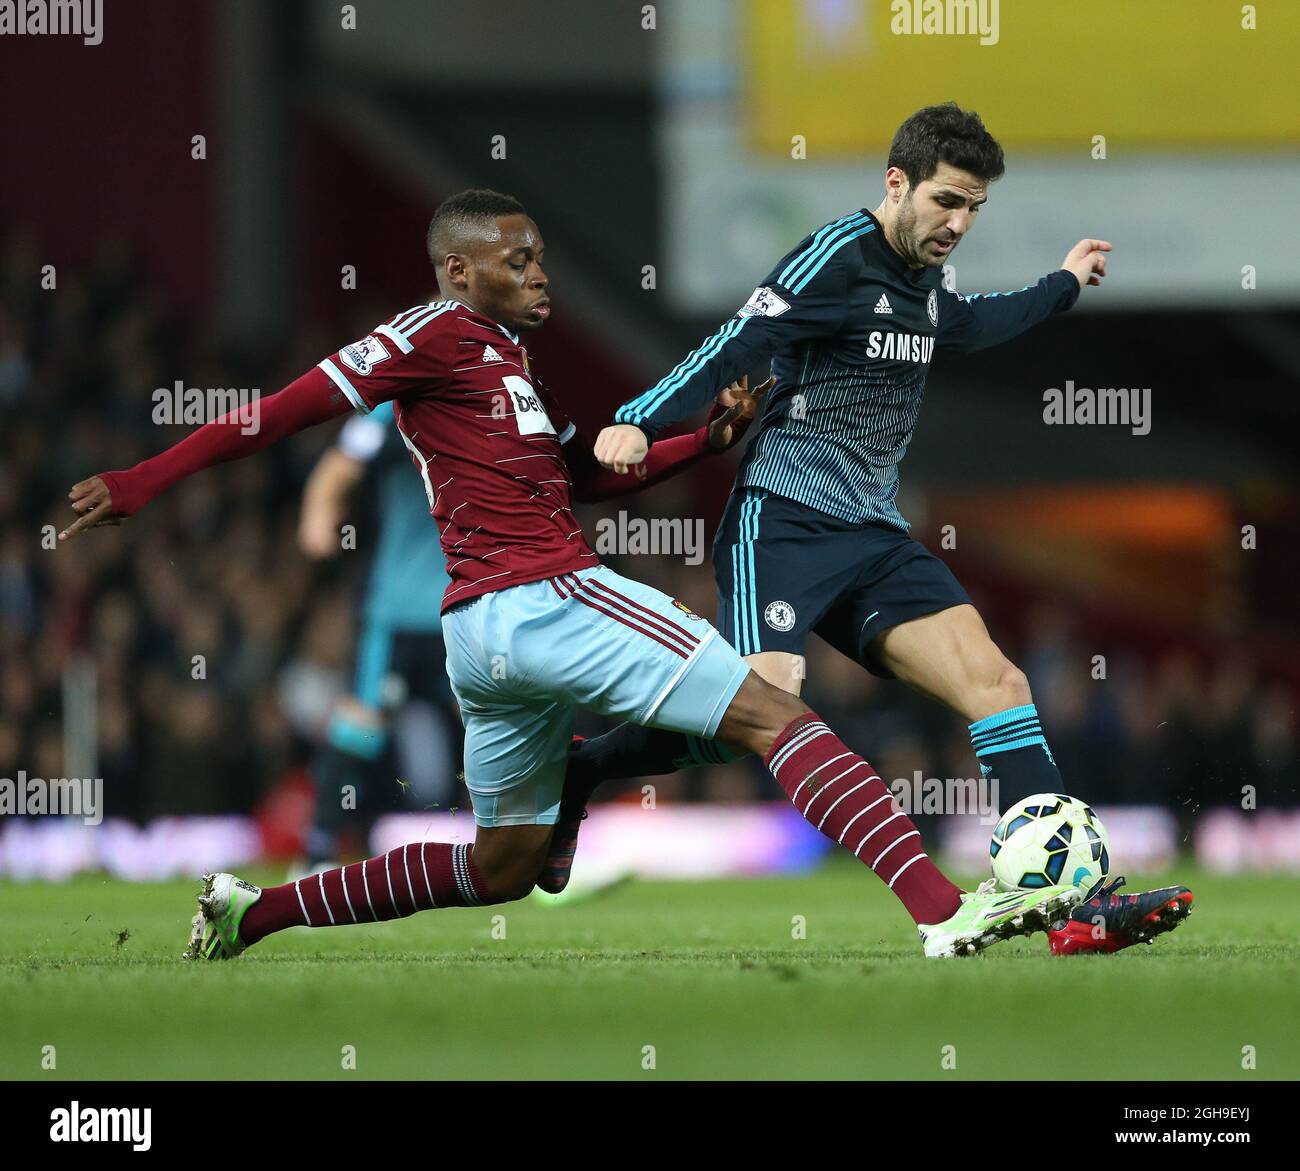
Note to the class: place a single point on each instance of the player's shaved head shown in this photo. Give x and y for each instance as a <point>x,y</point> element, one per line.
<point>466,221</point>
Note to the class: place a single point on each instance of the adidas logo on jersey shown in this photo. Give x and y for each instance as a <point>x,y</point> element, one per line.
<point>490,355</point>
<point>883,305</point>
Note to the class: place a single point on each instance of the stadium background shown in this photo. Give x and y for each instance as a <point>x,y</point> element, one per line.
<point>668,147</point>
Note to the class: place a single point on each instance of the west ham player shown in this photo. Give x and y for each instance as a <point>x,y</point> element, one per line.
<point>812,540</point>
<point>534,625</point>
<point>399,657</point>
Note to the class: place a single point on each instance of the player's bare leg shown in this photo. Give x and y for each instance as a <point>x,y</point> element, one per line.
<point>780,669</point>
<point>500,866</point>
<point>510,857</point>
<point>950,657</point>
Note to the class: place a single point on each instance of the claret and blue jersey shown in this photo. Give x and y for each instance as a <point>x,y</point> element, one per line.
<point>850,332</point>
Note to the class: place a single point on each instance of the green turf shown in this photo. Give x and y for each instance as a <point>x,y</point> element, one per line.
<point>706,973</point>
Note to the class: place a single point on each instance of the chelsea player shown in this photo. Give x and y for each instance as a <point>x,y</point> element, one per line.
<point>812,540</point>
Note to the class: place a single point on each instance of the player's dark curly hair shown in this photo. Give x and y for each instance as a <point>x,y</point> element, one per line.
<point>945,134</point>
<point>465,214</point>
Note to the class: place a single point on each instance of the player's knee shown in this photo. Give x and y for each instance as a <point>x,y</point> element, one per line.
<point>758,715</point>
<point>1008,687</point>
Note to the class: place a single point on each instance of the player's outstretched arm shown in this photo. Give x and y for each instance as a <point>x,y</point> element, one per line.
<point>804,296</point>
<point>596,479</point>
<point>110,496</point>
<point>981,320</point>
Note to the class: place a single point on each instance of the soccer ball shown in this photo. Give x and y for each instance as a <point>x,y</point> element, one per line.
<point>1049,840</point>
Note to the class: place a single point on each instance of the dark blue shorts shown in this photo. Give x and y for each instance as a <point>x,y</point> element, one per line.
<point>784,570</point>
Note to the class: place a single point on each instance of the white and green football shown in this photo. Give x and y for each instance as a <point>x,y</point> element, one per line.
<point>1050,839</point>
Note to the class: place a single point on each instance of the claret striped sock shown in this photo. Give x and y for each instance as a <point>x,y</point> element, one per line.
<point>840,794</point>
<point>416,877</point>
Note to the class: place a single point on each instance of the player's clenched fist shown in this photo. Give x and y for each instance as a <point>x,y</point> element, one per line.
<point>621,446</point>
<point>1087,261</point>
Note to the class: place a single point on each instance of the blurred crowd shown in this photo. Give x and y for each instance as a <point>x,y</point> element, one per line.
<point>217,647</point>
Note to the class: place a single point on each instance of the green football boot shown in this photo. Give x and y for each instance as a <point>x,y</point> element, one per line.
<point>990,915</point>
<point>223,903</point>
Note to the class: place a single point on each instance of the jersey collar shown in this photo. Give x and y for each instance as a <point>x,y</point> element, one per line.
<point>891,259</point>
<point>488,321</point>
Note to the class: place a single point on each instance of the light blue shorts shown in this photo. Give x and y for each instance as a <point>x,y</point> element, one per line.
<point>521,660</point>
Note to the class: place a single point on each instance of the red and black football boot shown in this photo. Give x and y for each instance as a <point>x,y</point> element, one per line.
<point>1110,922</point>
<point>564,841</point>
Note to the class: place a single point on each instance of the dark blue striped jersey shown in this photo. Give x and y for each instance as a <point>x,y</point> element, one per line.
<point>849,331</point>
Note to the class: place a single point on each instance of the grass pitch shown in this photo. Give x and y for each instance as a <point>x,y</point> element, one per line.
<point>709,974</point>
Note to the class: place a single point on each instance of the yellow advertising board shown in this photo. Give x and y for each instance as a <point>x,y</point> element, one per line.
<point>1044,74</point>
